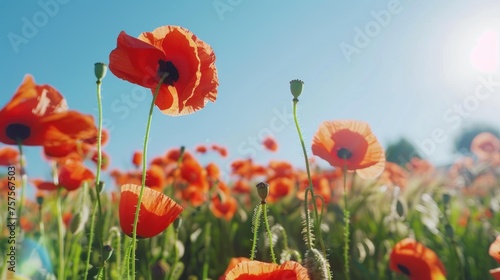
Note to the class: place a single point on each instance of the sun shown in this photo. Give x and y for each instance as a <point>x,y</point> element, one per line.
<point>484,55</point>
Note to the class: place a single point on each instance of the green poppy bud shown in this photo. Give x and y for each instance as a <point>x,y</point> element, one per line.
<point>100,70</point>
<point>263,191</point>
<point>296,87</point>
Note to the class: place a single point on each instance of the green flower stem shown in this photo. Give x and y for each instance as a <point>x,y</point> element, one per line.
<point>347,220</point>
<point>91,240</point>
<point>308,222</point>
<point>207,251</point>
<point>143,181</point>
<point>453,244</point>
<point>317,221</point>
<point>98,184</point>
<point>255,228</point>
<point>24,183</point>
<point>270,236</point>
<point>60,226</point>
<point>114,231</point>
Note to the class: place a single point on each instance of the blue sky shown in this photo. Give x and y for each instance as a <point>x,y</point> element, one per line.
<point>402,66</point>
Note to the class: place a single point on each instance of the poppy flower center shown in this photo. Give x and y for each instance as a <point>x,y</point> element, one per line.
<point>344,153</point>
<point>168,67</point>
<point>404,269</point>
<point>17,131</point>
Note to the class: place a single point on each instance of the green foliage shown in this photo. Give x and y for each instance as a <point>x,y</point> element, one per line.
<point>401,152</point>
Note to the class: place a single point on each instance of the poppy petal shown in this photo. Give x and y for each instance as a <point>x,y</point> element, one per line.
<point>135,61</point>
<point>157,212</point>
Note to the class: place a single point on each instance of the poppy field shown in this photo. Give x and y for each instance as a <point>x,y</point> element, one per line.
<point>348,211</point>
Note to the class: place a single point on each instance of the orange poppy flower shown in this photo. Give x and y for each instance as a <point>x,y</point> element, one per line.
<point>190,63</point>
<point>394,175</point>
<point>241,186</point>
<point>213,170</point>
<point>494,250</point>
<point>280,169</point>
<point>260,270</point>
<point>155,177</point>
<point>279,188</point>
<point>321,187</point>
<point>223,206</point>
<point>418,166</point>
<point>37,115</point>
<point>8,156</point>
<point>157,212</point>
<point>44,185</point>
<point>172,156</point>
<point>105,160</point>
<point>484,145</point>
<point>73,173</point>
<point>416,261</point>
<point>233,263</point>
<point>201,149</point>
<point>349,144</point>
<point>270,144</point>
<point>137,159</point>
<point>221,150</point>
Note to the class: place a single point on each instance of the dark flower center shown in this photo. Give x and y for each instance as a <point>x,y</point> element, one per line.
<point>168,67</point>
<point>17,131</point>
<point>404,269</point>
<point>344,153</point>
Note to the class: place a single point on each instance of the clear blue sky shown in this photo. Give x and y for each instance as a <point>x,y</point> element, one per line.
<point>403,66</point>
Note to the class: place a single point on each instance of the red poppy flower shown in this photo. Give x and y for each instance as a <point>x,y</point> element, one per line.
<point>8,156</point>
<point>201,149</point>
<point>394,175</point>
<point>484,145</point>
<point>349,144</point>
<point>155,177</point>
<point>321,187</point>
<point>241,186</point>
<point>268,271</point>
<point>280,169</point>
<point>494,250</point>
<point>221,150</point>
<point>279,188</point>
<point>44,185</point>
<point>270,144</point>
<point>137,159</point>
<point>223,206</point>
<point>418,166</point>
<point>416,261</point>
<point>73,173</point>
<point>232,263</point>
<point>157,212</point>
<point>190,63</point>
<point>173,156</point>
<point>495,273</point>
<point>37,115</point>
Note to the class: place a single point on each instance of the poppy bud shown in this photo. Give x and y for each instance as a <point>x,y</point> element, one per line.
<point>316,264</point>
<point>39,200</point>
<point>296,87</point>
<point>100,70</point>
<point>263,191</point>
